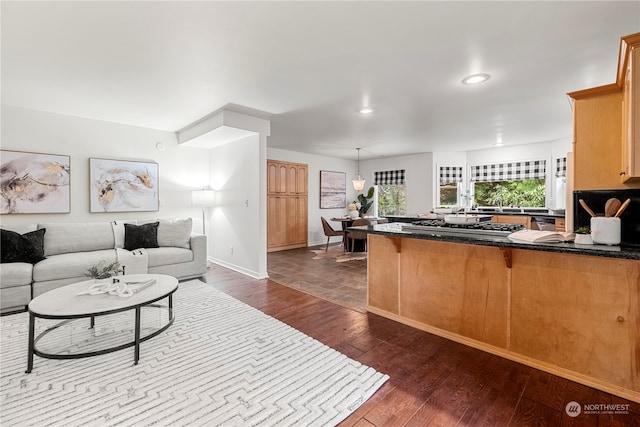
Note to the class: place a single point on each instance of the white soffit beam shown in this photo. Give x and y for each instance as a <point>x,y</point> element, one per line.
<point>221,128</point>
<point>216,137</point>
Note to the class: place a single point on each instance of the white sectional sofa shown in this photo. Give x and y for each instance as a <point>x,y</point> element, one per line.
<point>72,248</point>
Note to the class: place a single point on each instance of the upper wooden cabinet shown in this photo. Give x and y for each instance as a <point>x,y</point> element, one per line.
<point>631,113</point>
<point>606,145</point>
<point>286,177</point>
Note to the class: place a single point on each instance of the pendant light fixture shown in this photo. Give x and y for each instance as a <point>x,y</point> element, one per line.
<point>358,181</point>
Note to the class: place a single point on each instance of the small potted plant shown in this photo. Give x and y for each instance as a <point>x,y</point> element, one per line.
<point>583,236</point>
<point>103,270</point>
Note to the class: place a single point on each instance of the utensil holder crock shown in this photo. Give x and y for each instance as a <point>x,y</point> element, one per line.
<point>605,230</point>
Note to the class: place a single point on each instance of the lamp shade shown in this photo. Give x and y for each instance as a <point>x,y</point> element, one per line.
<point>358,182</point>
<point>203,197</point>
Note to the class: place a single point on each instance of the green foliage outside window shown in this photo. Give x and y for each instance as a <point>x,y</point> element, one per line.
<point>523,193</point>
<point>449,194</point>
<point>392,200</point>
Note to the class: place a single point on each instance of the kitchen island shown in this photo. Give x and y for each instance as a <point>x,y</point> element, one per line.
<point>569,310</point>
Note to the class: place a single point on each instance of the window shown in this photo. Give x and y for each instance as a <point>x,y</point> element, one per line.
<point>449,185</point>
<point>522,193</point>
<point>392,194</point>
<point>520,184</point>
<point>392,200</point>
<point>448,194</point>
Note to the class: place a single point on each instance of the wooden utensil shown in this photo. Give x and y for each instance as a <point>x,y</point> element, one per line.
<point>622,208</point>
<point>611,207</point>
<point>586,208</point>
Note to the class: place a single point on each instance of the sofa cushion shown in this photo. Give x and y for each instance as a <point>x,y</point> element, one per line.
<point>16,247</point>
<point>168,256</point>
<point>118,231</point>
<point>175,232</point>
<point>62,238</point>
<point>76,264</point>
<point>140,236</point>
<point>15,274</point>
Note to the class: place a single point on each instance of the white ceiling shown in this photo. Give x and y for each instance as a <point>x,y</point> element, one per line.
<point>308,67</point>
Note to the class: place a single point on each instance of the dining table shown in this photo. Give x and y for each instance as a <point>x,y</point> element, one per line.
<point>347,221</point>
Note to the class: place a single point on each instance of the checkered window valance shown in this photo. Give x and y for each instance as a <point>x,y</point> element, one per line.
<point>450,174</point>
<point>389,177</point>
<point>561,167</point>
<point>509,171</point>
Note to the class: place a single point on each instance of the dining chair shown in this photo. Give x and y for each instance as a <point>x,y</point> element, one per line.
<point>354,235</point>
<point>330,232</point>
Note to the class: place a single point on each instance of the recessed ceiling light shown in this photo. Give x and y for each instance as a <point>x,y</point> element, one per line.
<point>475,79</point>
<point>365,110</point>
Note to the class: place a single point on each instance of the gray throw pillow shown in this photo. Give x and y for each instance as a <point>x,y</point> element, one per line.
<point>175,233</point>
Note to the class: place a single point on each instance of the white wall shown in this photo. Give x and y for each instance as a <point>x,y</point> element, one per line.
<point>235,220</point>
<point>418,173</point>
<point>181,169</point>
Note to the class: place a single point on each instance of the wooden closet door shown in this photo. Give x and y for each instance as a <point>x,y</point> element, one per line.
<point>287,209</point>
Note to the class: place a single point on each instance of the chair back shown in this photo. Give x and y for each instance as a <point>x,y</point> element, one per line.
<point>360,221</point>
<point>328,229</point>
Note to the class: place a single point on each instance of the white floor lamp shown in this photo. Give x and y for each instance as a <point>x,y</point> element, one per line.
<point>204,198</point>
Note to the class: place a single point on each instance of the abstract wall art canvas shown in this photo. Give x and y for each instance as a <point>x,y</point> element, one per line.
<point>333,190</point>
<point>123,186</point>
<point>34,183</point>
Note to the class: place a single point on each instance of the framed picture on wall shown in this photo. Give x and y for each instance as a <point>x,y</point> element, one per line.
<point>34,183</point>
<point>123,186</point>
<point>333,190</point>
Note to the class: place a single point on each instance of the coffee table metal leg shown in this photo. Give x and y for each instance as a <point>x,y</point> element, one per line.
<point>136,356</point>
<point>32,327</point>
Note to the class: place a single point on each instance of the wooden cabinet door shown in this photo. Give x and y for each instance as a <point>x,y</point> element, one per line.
<point>287,209</point>
<point>276,221</point>
<point>301,180</point>
<point>300,233</point>
<point>630,119</point>
<point>296,179</point>
<point>276,178</point>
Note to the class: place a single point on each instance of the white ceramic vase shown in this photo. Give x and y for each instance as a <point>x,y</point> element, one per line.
<point>354,214</point>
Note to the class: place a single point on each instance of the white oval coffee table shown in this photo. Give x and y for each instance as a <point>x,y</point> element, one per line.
<point>66,304</point>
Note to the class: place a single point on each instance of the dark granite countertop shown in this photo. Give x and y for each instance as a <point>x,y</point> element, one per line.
<point>505,211</point>
<point>623,251</point>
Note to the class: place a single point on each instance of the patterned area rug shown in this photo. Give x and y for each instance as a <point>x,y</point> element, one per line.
<point>339,254</point>
<point>222,363</point>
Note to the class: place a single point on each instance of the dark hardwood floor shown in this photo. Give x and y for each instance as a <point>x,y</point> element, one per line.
<point>434,381</point>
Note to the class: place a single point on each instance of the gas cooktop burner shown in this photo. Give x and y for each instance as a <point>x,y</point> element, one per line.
<point>483,227</point>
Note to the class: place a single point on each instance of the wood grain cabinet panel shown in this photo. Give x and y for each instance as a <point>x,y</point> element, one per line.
<point>631,116</point>
<point>575,316</point>
<point>383,263</point>
<point>287,205</point>
<point>579,313</point>
<point>458,288</point>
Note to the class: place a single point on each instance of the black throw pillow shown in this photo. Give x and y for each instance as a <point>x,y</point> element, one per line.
<point>28,247</point>
<point>140,236</point>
